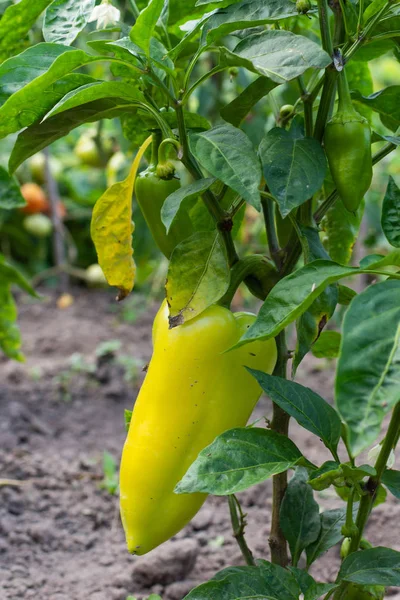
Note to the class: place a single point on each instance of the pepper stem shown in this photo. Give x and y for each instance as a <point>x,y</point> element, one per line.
<point>162,149</point>
<point>345,103</point>
<point>156,141</point>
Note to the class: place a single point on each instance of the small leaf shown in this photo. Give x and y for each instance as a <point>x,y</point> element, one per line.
<point>127,418</point>
<point>330,534</point>
<point>228,154</point>
<point>308,408</point>
<point>145,24</point>
<point>368,375</point>
<point>198,276</point>
<point>391,479</point>
<point>325,475</point>
<point>299,515</point>
<point>236,111</point>
<point>10,195</point>
<point>327,345</point>
<point>278,54</point>
<point>376,566</point>
<point>10,339</point>
<point>294,168</point>
<point>181,198</point>
<point>391,214</point>
<point>318,590</point>
<point>111,230</point>
<point>264,581</point>
<point>346,295</point>
<point>64,19</point>
<point>385,103</point>
<point>238,459</point>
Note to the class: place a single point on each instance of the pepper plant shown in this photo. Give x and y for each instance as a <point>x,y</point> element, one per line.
<point>305,171</point>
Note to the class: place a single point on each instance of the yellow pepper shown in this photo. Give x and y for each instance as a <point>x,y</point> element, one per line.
<point>193,391</point>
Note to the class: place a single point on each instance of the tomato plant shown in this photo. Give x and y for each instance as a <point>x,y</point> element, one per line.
<point>291,148</point>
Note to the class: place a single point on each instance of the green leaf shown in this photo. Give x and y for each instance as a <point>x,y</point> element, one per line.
<point>21,109</point>
<point>299,515</point>
<point>303,578</point>
<point>10,339</point>
<point>16,23</point>
<point>14,74</point>
<point>325,475</point>
<point>368,372</point>
<point>277,54</point>
<point>228,154</point>
<point>376,566</point>
<point>327,345</point>
<point>238,459</point>
<point>242,15</point>
<point>198,276</point>
<point>145,24</point>
<point>293,294</point>
<point>182,197</point>
<point>10,195</point>
<point>264,581</point>
<point>386,103</point>
<point>311,323</point>
<point>111,230</point>
<point>38,136</point>
<point>372,9</point>
<point>10,275</point>
<point>391,214</point>
<point>294,169</point>
<point>97,90</point>
<point>329,535</point>
<point>64,19</point>
<point>391,479</point>
<point>127,418</point>
<point>346,295</point>
<point>308,408</point>
<point>236,111</point>
<point>318,590</point>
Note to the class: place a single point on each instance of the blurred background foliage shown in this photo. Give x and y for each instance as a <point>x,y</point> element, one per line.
<point>90,158</point>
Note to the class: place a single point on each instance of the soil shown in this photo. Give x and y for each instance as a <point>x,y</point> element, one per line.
<point>60,534</point>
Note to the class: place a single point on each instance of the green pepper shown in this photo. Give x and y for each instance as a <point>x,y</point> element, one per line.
<point>347,143</point>
<point>152,187</point>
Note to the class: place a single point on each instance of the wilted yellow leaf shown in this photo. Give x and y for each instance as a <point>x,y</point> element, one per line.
<point>112,228</point>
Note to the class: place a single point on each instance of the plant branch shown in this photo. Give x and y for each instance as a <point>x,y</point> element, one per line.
<point>267,204</point>
<point>222,218</point>
<point>280,424</point>
<point>238,520</point>
<point>367,501</point>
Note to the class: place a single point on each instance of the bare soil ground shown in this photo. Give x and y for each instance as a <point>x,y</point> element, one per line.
<point>60,534</point>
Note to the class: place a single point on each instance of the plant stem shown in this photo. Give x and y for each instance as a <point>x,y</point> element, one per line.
<point>307,105</point>
<point>58,230</point>
<point>367,501</point>
<point>134,8</point>
<point>364,34</point>
<point>280,424</point>
<point>220,216</point>
<point>323,13</point>
<point>272,238</point>
<point>241,269</point>
<point>325,102</point>
<point>238,526</point>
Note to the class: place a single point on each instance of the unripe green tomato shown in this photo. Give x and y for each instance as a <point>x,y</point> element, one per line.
<point>38,225</point>
<point>37,166</point>
<point>95,276</point>
<point>303,6</point>
<point>87,151</point>
<point>359,592</point>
